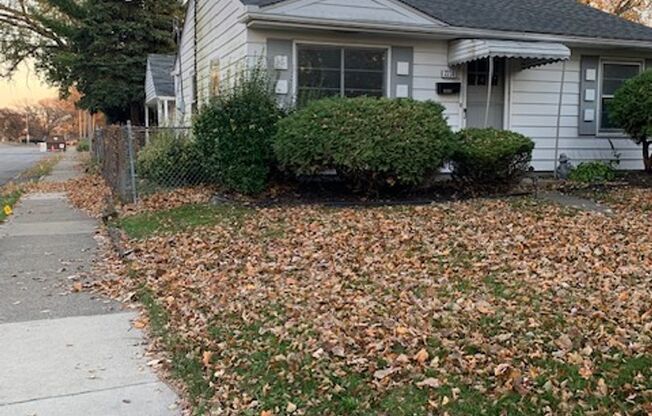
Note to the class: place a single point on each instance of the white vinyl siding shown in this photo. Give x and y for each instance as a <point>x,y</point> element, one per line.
<point>186,59</point>
<point>373,11</point>
<point>533,112</point>
<point>430,59</point>
<point>150,90</point>
<point>221,38</point>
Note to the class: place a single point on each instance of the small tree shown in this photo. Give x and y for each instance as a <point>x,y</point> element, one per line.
<point>234,133</point>
<point>631,108</point>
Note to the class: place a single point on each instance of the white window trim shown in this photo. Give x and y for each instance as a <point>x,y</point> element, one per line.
<point>614,61</point>
<point>295,59</point>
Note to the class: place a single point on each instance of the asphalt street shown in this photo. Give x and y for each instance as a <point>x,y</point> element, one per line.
<point>15,159</point>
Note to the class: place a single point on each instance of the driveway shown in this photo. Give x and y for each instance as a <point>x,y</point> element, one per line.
<point>15,159</point>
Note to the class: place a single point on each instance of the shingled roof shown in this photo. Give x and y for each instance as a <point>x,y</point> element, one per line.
<point>557,17</point>
<point>161,67</point>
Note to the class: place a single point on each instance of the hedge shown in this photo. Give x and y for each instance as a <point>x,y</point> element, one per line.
<point>491,157</point>
<point>371,143</point>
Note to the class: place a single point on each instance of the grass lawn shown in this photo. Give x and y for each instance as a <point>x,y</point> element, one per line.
<point>179,219</point>
<point>501,307</point>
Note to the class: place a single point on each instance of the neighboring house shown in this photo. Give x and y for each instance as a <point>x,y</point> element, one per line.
<point>160,99</point>
<point>489,62</point>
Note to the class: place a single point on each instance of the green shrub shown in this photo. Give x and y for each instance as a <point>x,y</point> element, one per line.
<point>83,145</point>
<point>491,157</point>
<point>170,159</point>
<point>234,133</point>
<point>592,172</point>
<point>631,109</point>
<point>370,142</point>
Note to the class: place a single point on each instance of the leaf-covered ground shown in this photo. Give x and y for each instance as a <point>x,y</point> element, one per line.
<point>500,307</point>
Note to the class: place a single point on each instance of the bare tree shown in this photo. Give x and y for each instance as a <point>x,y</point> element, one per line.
<point>12,124</point>
<point>51,117</point>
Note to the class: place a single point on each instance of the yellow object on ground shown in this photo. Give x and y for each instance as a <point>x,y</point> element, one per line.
<point>8,211</point>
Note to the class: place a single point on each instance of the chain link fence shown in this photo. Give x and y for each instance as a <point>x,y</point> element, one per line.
<point>137,161</point>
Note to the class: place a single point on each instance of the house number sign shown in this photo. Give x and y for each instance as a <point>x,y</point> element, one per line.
<point>449,73</point>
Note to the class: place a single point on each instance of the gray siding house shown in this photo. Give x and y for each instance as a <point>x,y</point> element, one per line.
<point>544,68</point>
<point>160,98</point>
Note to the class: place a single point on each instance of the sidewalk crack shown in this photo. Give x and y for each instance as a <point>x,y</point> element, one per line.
<point>80,393</point>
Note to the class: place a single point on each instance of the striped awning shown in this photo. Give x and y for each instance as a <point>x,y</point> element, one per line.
<point>530,54</point>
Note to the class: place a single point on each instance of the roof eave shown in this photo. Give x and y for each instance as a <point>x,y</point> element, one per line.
<point>255,19</point>
<point>156,98</point>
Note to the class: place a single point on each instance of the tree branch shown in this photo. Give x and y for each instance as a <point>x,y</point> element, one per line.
<point>22,17</point>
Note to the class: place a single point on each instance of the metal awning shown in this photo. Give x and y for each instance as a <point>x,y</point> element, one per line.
<point>530,54</point>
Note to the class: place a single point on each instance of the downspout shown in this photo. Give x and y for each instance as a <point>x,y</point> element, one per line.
<point>195,84</point>
<point>489,91</point>
<point>558,133</point>
<point>181,106</point>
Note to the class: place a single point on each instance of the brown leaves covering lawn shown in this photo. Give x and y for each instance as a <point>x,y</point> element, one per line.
<point>90,193</point>
<point>483,307</point>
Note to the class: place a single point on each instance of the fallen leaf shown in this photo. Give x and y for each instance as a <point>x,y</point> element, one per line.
<point>564,342</point>
<point>207,357</point>
<point>381,374</point>
<point>422,356</point>
<point>138,324</point>
<point>501,369</point>
<point>484,307</point>
<point>430,382</point>
<point>586,372</point>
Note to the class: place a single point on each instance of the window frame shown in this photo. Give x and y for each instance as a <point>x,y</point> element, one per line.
<point>297,44</point>
<point>601,96</point>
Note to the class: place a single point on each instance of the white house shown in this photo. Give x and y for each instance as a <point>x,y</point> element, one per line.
<point>160,99</point>
<point>498,63</point>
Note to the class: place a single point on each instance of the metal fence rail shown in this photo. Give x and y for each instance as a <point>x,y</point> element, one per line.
<point>137,160</point>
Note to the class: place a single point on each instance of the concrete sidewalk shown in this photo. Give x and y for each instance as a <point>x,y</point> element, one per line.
<point>62,352</point>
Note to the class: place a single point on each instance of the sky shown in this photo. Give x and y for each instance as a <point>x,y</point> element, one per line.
<point>25,86</point>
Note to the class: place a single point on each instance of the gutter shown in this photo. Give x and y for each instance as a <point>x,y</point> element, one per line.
<point>253,19</point>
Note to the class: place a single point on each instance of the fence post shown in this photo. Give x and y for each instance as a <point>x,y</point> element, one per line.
<point>132,164</point>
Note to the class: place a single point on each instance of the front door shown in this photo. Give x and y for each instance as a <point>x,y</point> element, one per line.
<point>476,93</point>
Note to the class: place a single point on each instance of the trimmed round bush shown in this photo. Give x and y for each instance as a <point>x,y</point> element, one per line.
<point>371,143</point>
<point>170,159</point>
<point>234,134</point>
<point>490,156</point>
